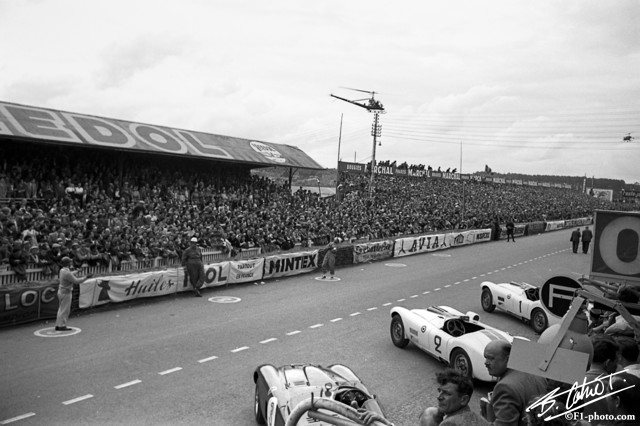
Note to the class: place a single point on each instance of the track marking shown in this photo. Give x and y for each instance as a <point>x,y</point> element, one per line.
<point>172,370</point>
<point>375,307</point>
<point>386,304</point>
<point>126,385</point>
<point>414,296</point>
<point>291,333</point>
<point>211,358</point>
<point>236,350</point>
<point>15,419</point>
<point>336,319</point>
<point>426,292</point>
<point>272,339</point>
<point>437,289</point>
<point>355,314</point>
<point>78,399</point>
<point>401,300</point>
<point>447,286</point>
<point>316,326</point>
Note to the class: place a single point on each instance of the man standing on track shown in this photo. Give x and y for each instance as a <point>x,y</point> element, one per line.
<point>575,239</point>
<point>329,261</point>
<point>65,290</point>
<point>510,228</point>
<point>587,236</point>
<point>193,265</point>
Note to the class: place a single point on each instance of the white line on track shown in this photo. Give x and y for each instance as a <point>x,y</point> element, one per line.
<point>316,325</point>
<point>211,358</point>
<point>386,304</point>
<point>474,278</point>
<point>375,307</point>
<point>172,370</point>
<point>355,313</point>
<point>437,289</point>
<point>414,296</point>
<point>336,319</point>
<point>15,419</point>
<point>126,385</point>
<point>291,333</point>
<point>78,399</point>
<point>447,286</point>
<point>426,292</point>
<point>236,350</point>
<point>401,300</point>
<point>272,339</point>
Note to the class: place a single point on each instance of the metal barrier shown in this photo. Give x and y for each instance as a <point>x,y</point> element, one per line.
<point>36,273</point>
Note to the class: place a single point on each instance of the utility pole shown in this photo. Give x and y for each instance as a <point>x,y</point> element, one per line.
<point>374,106</point>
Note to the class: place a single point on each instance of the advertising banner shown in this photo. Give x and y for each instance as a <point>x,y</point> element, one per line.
<point>215,274</point>
<point>459,238</point>
<point>372,251</point>
<point>22,305</point>
<point>99,291</point>
<point>284,265</point>
<point>245,270</point>
<point>554,225</point>
<point>421,244</point>
<point>482,235</point>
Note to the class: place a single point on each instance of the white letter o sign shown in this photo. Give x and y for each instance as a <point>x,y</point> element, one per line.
<point>609,245</point>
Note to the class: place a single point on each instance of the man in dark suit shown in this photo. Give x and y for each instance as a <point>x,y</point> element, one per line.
<point>587,236</point>
<point>514,390</point>
<point>575,239</point>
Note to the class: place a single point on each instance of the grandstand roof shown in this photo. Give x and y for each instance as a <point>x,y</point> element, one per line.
<point>22,122</point>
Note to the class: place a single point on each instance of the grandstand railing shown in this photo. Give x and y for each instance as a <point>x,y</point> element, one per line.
<point>43,274</point>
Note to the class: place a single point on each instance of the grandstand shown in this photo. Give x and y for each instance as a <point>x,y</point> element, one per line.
<point>119,196</point>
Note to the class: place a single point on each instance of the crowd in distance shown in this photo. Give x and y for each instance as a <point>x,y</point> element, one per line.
<point>100,208</point>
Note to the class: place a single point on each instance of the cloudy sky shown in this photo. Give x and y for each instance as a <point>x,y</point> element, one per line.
<point>538,87</point>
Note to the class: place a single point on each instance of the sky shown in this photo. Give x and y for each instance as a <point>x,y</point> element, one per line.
<point>545,87</point>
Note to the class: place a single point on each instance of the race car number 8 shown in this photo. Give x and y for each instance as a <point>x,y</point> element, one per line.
<point>437,341</point>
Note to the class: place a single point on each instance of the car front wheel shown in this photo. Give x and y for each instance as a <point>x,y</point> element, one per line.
<point>397,332</point>
<point>257,409</point>
<point>539,321</point>
<point>461,362</point>
<point>486,299</point>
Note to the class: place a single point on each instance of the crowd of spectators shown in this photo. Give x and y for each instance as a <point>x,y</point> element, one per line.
<point>103,208</point>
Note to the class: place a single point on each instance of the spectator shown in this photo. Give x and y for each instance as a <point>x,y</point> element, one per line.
<point>454,395</point>
<point>604,363</point>
<point>629,353</point>
<point>514,389</point>
<point>623,400</point>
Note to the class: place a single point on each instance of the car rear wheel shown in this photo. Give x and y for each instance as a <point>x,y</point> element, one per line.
<point>257,409</point>
<point>539,320</point>
<point>486,299</point>
<point>461,362</point>
<point>397,332</point>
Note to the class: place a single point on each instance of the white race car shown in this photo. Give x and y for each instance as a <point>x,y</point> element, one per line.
<point>456,339</point>
<point>519,299</point>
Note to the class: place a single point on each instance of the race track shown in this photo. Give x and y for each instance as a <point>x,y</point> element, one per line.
<point>185,360</point>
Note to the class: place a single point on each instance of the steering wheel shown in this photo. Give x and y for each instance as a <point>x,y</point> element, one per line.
<point>455,328</point>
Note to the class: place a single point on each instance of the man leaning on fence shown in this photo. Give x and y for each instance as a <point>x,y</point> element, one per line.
<point>193,265</point>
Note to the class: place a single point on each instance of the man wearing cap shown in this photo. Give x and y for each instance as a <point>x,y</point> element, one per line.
<point>194,268</point>
<point>67,280</point>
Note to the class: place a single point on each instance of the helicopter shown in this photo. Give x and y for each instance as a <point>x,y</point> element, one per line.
<point>370,104</point>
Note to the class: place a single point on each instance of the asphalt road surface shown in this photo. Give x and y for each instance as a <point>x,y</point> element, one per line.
<point>185,360</point>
